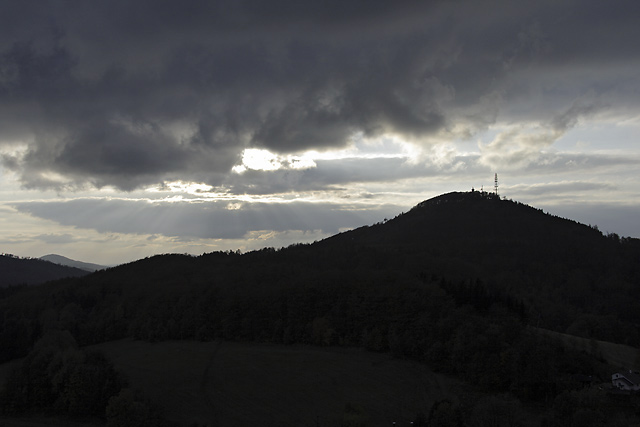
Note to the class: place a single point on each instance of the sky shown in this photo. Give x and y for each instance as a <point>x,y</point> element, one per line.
<point>132,128</point>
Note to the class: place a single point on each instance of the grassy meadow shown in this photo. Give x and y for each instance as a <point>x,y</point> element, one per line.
<point>242,384</point>
<point>620,356</point>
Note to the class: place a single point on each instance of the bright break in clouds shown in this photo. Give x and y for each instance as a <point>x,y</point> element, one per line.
<point>224,112</point>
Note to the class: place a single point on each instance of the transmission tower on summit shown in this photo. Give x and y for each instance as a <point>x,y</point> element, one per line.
<point>495,185</point>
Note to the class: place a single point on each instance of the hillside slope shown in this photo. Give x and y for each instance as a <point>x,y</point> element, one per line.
<point>568,274</point>
<point>479,226</point>
<point>560,274</point>
<point>62,260</point>
<point>18,271</point>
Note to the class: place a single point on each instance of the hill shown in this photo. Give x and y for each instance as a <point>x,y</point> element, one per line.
<point>459,283</point>
<point>473,248</point>
<point>569,275</point>
<point>30,271</point>
<point>61,260</point>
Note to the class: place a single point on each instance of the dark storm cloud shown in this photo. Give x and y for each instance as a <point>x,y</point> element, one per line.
<point>133,93</point>
<point>217,220</point>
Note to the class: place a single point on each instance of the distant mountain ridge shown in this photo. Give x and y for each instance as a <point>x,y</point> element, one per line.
<point>62,260</point>
<point>32,271</point>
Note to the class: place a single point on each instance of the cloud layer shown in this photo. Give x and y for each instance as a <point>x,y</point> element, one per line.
<point>202,220</point>
<point>131,128</point>
<point>133,94</point>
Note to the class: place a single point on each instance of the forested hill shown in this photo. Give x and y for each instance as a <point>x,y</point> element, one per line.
<point>457,283</point>
<point>564,276</point>
<point>482,235</point>
<point>29,271</point>
<point>569,275</point>
<point>476,224</point>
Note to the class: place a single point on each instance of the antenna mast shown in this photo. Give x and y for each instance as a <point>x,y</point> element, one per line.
<point>495,185</point>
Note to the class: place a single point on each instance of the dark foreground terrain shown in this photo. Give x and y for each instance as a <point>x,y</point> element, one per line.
<point>215,383</point>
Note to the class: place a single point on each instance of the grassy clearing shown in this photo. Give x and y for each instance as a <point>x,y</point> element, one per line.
<point>44,421</point>
<point>617,355</point>
<point>242,384</point>
<point>5,370</point>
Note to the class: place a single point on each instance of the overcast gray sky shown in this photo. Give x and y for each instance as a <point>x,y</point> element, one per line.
<point>129,128</point>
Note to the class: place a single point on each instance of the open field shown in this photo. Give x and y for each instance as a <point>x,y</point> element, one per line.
<point>241,384</point>
<point>6,368</point>
<point>618,355</point>
<point>44,421</point>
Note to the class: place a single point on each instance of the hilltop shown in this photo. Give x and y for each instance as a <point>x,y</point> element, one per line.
<point>473,224</point>
<point>569,275</point>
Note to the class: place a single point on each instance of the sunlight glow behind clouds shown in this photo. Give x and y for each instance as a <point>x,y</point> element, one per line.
<point>179,128</point>
<point>264,160</point>
<point>397,179</point>
<point>385,146</point>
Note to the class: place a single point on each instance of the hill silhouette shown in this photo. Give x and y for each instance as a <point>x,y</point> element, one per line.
<point>461,282</point>
<point>62,260</point>
<point>470,223</point>
<point>543,260</point>
<point>30,271</point>
<point>563,275</point>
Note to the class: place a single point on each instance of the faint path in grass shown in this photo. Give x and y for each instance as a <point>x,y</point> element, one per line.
<point>618,355</point>
<point>241,384</point>
<point>206,386</point>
